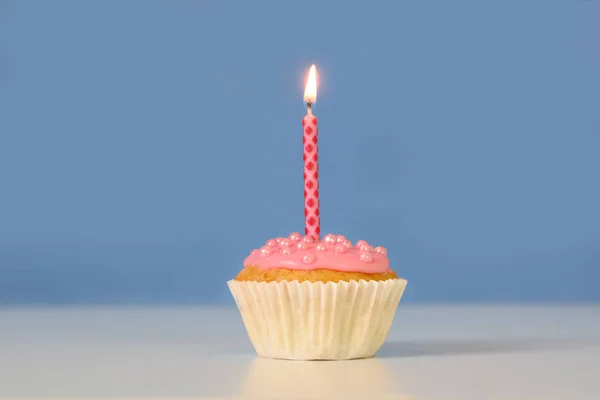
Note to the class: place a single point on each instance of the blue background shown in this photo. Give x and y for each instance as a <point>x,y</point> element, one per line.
<point>147,146</point>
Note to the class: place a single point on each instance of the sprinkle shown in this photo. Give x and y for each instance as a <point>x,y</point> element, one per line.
<point>265,251</point>
<point>340,248</point>
<point>321,247</point>
<point>295,237</point>
<point>381,250</point>
<point>308,258</point>
<point>365,256</point>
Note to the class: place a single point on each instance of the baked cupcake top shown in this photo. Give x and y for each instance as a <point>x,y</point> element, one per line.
<point>334,252</point>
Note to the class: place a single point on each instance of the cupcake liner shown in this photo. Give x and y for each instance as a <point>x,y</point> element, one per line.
<point>316,320</point>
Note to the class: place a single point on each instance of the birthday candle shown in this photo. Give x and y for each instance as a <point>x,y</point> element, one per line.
<point>311,160</point>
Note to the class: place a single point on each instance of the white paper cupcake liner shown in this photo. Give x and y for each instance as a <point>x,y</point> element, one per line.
<point>317,321</point>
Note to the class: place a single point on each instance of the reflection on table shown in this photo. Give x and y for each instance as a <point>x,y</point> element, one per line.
<point>319,379</point>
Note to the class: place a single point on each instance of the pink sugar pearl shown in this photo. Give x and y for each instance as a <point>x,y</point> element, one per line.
<point>381,250</point>
<point>265,251</point>
<point>329,239</point>
<point>301,245</point>
<point>308,239</point>
<point>295,237</point>
<point>340,248</point>
<point>365,256</point>
<point>361,243</point>
<point>308,258</point>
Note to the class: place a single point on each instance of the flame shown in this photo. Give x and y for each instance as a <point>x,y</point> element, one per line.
<point>310,93</point>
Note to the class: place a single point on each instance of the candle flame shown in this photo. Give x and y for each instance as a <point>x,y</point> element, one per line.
<point>310,93</point>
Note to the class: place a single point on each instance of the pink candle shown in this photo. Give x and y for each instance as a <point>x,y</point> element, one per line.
<point>311,161</point>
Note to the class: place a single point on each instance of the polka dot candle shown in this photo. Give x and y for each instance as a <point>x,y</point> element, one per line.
<point>311,178</point>
<point>311,161</point>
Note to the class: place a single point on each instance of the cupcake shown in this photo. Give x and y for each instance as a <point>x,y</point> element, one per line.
<point>307,299</point>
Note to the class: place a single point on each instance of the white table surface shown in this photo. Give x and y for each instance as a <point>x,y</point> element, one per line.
<point>433,352</point>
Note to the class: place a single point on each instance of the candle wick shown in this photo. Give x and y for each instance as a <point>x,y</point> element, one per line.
<point>309,106</point>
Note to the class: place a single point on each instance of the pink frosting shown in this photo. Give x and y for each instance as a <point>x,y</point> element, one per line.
<point>334,252</point>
